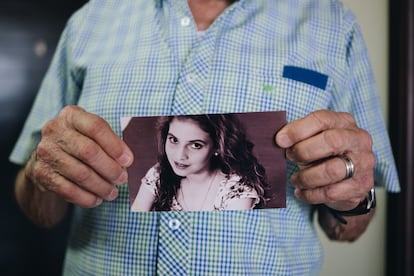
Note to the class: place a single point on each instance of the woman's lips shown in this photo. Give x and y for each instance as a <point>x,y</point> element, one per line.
<point>180,166</point>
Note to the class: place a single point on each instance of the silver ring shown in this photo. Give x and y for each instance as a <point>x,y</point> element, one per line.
<point>349,165</point>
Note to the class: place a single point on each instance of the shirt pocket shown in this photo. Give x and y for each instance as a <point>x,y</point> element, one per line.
<point>245,89</point>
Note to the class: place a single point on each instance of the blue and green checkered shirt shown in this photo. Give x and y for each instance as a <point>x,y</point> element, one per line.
<point>145,58</point>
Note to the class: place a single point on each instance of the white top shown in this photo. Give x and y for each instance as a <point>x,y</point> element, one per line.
<point>230,188</point>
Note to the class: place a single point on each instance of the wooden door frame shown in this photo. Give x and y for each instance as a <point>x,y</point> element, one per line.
<point>400,213</point>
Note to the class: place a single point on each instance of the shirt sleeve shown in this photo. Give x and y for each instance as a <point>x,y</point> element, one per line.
<point>60,87</point>
<point>357,93</point>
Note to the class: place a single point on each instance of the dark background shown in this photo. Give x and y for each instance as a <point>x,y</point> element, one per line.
<point>400,219</point>
<point>29,31</point>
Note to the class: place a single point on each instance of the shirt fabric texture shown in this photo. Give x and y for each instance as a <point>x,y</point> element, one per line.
<point>120,58</point>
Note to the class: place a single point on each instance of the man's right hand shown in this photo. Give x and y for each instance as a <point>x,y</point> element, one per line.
<point>79,158</point>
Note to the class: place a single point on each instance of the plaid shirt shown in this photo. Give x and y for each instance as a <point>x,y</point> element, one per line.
<point>140,58</point>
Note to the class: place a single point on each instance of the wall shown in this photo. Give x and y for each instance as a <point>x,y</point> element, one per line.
<point>367,255</point>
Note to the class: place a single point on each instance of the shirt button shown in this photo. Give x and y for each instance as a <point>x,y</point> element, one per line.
<point>185,21</point>
<point>174,224</point>
<point>190,78</point>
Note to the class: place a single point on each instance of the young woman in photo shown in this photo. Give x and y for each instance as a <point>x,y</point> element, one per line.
<point>205,163</point>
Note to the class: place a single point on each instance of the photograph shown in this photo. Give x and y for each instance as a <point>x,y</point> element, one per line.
<point>206,162</point>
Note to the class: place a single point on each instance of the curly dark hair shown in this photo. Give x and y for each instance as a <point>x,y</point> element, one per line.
<point>235,156</point>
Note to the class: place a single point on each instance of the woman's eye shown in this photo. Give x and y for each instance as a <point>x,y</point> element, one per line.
<point>173,140</point>
<point>196,146</point>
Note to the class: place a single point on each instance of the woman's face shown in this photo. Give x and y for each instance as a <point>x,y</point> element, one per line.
<point>188,148</point>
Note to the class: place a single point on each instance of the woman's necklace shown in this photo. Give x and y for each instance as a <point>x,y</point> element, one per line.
<point>205,197</point>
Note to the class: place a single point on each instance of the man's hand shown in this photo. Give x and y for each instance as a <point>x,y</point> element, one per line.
<point>79,158</point>
<point>314,143</point>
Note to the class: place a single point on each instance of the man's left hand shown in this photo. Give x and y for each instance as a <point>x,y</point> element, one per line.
<point>316,143</point>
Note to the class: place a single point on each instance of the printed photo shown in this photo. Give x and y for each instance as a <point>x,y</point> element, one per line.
<point>206,162</point>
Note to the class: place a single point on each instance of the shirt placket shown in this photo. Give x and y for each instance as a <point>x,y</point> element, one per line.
<point>192,54</point>
<point>175,236</point>
<point>174,227</point>
<point>192,94</point>
<point>173,243</point>
<point>191,89</point>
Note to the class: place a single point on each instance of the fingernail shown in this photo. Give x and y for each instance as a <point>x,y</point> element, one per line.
<point>113,194</point>
<point>283,140</point>
<point>124,160</point>
<point>122,178</point>
<point>298,193</point>
<point>98,202</point>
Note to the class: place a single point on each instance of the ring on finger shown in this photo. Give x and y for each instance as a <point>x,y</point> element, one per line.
<point>349,166</point>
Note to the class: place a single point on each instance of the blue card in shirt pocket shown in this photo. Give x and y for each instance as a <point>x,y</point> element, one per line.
<point>307,76</point>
